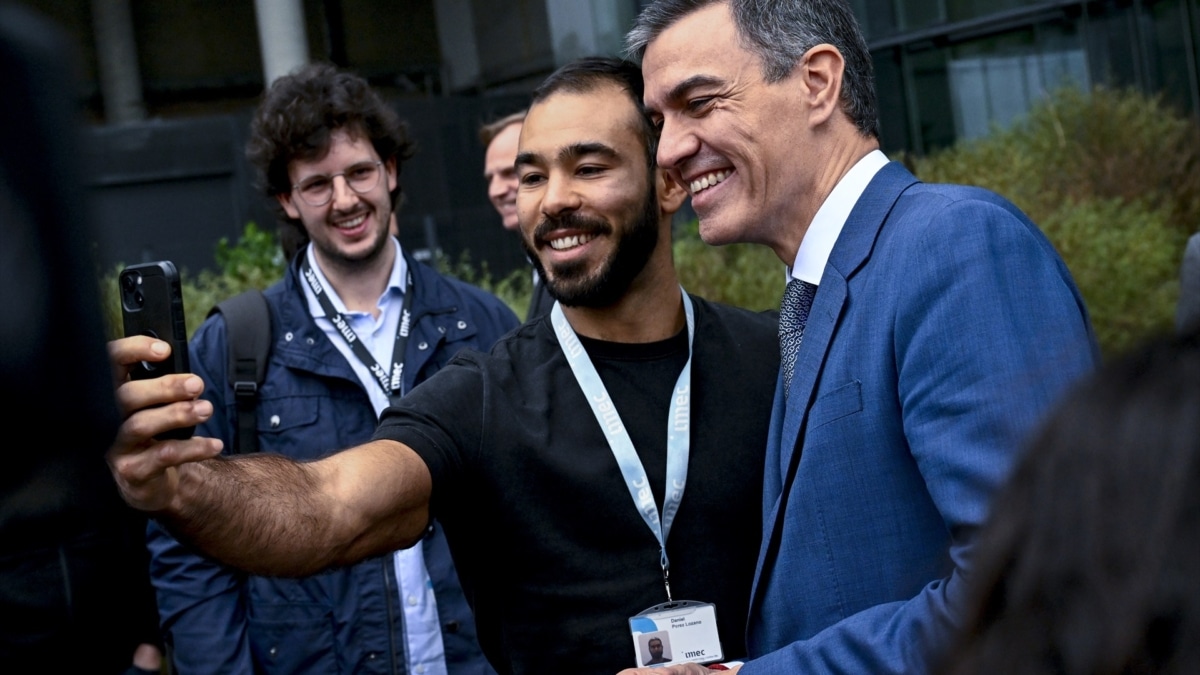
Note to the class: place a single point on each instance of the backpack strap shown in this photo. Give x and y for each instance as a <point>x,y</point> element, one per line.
<point>248,337</point>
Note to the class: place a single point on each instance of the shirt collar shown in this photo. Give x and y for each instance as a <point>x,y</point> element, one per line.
<point>395,287</point>
<point>823,232</point>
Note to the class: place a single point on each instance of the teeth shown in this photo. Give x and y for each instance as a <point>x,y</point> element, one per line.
<point>353,222</point>
<point>564,243</point>
<point>708,180</point>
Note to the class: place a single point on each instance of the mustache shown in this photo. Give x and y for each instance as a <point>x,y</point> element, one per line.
<point>571,221</point>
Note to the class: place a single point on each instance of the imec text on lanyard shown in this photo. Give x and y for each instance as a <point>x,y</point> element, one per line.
<point>390,380</point>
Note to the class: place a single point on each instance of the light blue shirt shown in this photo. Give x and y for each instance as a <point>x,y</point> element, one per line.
<point>426,655</point>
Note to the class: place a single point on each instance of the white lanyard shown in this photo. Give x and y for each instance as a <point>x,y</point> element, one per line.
<point>678,431</point>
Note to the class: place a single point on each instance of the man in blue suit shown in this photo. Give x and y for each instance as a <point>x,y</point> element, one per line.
<point>937,324</point>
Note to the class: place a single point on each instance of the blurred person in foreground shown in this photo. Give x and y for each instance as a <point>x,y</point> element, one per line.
<point>75,595</point>
<point>1090,561</point>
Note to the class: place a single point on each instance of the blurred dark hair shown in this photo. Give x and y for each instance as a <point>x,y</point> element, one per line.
<point>296,120</point>
<point>1090,562</point>
<point>588,74</point>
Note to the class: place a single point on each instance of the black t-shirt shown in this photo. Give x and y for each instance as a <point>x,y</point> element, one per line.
<point>548,543</point>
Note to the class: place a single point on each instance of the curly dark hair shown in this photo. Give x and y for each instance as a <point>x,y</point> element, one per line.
<point>297,118</point>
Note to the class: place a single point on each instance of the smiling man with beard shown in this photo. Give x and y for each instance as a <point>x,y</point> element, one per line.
<point>550,481</point>
<point>573,282</point>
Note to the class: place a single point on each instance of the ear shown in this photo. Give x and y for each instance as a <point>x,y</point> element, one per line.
<point>820,71</point>
<point>392,177</point>
<point>670,193</point>
<point>289,207</point>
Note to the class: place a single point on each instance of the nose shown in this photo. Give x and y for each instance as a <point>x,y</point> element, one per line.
<point>560,197</point>
<point>676,143</point>
<point>343,196</point>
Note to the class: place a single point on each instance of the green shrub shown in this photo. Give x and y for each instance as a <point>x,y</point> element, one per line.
<point>515,289</point>
<point>745,275</point>
<point>1113,178</point>
<point>254,262</point>
<point>1126,263</point>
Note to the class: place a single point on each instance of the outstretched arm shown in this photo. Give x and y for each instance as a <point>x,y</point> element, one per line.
<point>265,514</point>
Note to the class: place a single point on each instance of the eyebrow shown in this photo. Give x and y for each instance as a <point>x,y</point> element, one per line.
<point>573,151</point>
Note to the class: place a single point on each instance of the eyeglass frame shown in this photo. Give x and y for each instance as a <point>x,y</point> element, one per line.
<point>377,163</point>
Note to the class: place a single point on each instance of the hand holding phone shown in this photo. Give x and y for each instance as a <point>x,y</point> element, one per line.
<point>152,305</point>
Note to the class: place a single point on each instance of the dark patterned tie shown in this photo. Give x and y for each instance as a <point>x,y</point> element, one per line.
<point>793,314</point>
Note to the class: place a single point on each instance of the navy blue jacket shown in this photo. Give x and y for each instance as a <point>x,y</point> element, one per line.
<point>345,620</point>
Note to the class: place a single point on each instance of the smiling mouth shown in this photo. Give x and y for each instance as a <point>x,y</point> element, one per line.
<point>352,223</point>
<point>708,180</point>
<point>564,243</point>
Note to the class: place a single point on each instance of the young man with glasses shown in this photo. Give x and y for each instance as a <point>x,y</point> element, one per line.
<point>356,324</point>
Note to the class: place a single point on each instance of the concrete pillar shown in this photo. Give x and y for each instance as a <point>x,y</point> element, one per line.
<point>116,53</point>
<point>282,38</point>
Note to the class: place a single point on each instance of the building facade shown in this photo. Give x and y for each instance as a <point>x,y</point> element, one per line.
<point>169,86</point>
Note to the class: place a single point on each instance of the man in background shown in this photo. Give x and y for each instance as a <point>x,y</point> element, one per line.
<point>500,138</point>
<point>356,324</point>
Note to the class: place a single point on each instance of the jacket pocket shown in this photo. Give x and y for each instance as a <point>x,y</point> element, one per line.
<point>291,426</point>
<point>834,405</point>
<point>293,645</point>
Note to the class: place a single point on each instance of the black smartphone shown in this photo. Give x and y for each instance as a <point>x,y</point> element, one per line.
<point>152,304</point>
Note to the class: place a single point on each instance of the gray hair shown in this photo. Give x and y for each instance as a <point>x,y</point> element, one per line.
<point>779,32</point>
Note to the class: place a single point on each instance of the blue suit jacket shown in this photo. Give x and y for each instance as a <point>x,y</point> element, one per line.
<point>944,327</point>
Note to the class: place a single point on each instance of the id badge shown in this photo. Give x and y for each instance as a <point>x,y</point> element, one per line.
<point>676,632</point>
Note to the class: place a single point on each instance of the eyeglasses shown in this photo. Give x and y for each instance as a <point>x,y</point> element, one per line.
<point>318,190</point>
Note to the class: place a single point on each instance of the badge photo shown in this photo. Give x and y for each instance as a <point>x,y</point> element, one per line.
<point>676,632</point>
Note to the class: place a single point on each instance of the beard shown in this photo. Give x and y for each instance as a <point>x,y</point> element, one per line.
<point>573,284</point>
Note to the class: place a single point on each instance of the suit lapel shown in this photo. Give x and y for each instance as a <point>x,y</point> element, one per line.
<point>850,252</point>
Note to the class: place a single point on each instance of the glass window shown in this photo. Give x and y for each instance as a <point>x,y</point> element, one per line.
<point>1171,68</point>
<point>995,80</point>
<point>932,124</point>
<point>877,18</point>
<point>891,100</point>
<point>1111,46</point>
<point>961,10</point>
<point>915,14</point>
